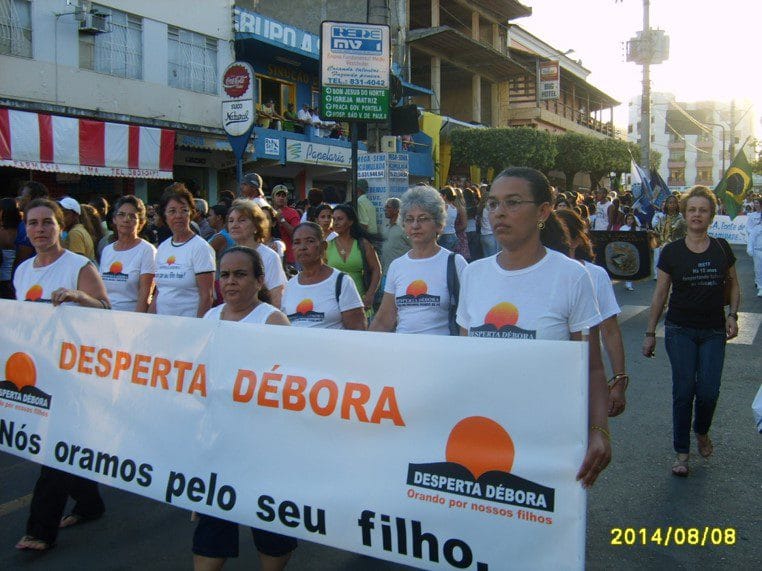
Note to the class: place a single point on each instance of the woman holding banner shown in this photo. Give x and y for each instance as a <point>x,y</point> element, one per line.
<point>319,295</point>
<point>242,282</point>
<point>699,269</point>
<point>249,226</point>
<point>537,293</point>
<point>582,251</point>
<point>58,276</point>
<point>417,294</point>
<point>128,265</point>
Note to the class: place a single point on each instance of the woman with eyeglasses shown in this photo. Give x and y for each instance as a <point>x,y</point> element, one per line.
<point>420,291</point>
<point>128,265</point>
<point>531,290</point>
<point>184,262</point>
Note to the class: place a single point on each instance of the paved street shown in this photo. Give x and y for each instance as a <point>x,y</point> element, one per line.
<point>637,491</point>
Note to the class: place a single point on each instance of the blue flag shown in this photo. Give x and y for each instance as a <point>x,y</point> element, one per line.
<point>642,205</point>
<point>660,189</point>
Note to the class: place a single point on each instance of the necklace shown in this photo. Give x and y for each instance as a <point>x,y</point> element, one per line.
<point>343,247</point>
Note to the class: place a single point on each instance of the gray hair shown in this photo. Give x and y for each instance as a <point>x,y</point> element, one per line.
<point>427,199</point>
<point>393,202</point>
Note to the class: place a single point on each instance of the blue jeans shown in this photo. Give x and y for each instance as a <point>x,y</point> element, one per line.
<point>696,356</point>
<point>489,245</point>
<point>449,241</point>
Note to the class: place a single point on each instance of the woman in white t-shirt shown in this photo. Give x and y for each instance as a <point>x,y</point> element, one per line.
<point>582,251</point>
<point>419,294</point>
<point>128,265</point>
<point>319,295</point>
<point>529,291</point>
<point>242,284</point>
<point>57,276</point>
<point>248,226</point>
<point>184,262</point>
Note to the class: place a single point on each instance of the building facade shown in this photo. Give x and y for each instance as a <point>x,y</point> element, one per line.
<point>114,67</point>
<point>697,140</point>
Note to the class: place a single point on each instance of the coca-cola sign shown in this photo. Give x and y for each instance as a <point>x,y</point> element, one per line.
<point>238,99</point>
<point>236,81</point>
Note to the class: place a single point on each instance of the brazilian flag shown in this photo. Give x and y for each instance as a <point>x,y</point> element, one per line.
<point>735,185</point>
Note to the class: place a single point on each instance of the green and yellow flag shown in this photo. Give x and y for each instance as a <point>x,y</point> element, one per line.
<point>735,185</point>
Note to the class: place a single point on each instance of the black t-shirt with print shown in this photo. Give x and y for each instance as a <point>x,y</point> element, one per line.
<point>698,283</point>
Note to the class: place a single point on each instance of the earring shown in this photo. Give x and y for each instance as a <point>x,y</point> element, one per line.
<point>541,225</point>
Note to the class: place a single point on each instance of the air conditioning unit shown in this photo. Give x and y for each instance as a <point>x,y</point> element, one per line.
<point>94,23</point>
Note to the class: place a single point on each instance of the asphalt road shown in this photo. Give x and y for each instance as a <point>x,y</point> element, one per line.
<point>636,495</point>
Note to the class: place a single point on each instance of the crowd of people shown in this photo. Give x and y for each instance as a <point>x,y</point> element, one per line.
<point>508,260</point>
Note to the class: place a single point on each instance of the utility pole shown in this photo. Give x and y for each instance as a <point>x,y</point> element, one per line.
<point>647,48</point>
<point>645,102</point>
<point>732,129</point>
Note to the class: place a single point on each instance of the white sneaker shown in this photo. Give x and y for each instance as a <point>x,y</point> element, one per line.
<point>629,287</point>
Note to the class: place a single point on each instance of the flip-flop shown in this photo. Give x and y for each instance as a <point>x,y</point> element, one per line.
<point>680,467</point>
<point>31,543</point>
<point>705,446</point>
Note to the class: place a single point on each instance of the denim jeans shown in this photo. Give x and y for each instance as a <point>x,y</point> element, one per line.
<point>696,356</point>
<point>489,245</point>
<point>449,241</point>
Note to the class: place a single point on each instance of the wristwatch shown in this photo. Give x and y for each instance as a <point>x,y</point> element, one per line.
<point>733,315</point>
<point>650,333</point>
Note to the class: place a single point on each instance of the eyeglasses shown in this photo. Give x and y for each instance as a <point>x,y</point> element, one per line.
<point>181,212</point>
<point>420,220</point>
<point>131,216</point>
<point>510,204</point>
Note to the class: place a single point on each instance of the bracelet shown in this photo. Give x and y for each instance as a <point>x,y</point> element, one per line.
<point>602,430</point>
<point>650,333</point>
<point>617,378</point>
<point>734,315</point>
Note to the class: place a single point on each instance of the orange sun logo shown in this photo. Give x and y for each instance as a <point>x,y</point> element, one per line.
<point>34,293</point>
<point>171,260</point>
<point>417,288</point>
<point>481,445</point>
<point>501,315</point>
<point>20,370</point>
<point>305,306</point>
<point>116,268</point>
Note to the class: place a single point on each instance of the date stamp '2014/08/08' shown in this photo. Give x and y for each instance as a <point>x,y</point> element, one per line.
<point>673,535</point>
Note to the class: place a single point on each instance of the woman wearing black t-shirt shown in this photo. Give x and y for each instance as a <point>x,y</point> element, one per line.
<point>695,326</point>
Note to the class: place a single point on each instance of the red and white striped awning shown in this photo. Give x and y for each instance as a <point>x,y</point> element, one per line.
<point>84,146</point>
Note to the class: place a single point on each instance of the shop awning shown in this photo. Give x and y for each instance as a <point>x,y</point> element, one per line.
<point>54,143</point>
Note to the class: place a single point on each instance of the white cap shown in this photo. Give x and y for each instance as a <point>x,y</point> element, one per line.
<point>68,203</point>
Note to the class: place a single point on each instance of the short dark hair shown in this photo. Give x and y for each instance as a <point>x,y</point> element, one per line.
<point>179,192</point>
<point>47,203</point>
<point>136,203</point>
<point>36,189</point>
<point>257,266</point>
<point>10,217</point>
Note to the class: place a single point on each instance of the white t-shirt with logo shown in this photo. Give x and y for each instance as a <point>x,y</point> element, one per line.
<point>315,305</point>
<point>419,287</point>
<point>548,300</point>
<point>121,271</point>
<point>274,274</point>
<point>258,315</point>
<point>176,270</point>
<point>38,284</point>
<point>604,291</point>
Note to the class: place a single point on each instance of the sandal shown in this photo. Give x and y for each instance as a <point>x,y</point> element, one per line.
<point>680,466</point>
<point>705,446</point>
<point>31,543</point>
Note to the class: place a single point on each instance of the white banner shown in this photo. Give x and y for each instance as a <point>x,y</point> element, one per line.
<point>734,231</point>
<point>436,452</point>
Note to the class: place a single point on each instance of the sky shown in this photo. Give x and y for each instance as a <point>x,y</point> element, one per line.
<point>715,47</point>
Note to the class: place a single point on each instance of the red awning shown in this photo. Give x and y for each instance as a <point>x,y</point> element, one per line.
<point>54,143</point>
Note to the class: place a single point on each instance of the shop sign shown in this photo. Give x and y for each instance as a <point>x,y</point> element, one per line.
<point>272,147</point>
<point>318,154</point>
<point>238,99</point>
<point>354,62</point>
<point>275,33</point>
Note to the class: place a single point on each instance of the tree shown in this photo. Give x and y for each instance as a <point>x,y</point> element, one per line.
<point>504,147</point>
<point>609,155</point>
<point>573,155</point>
